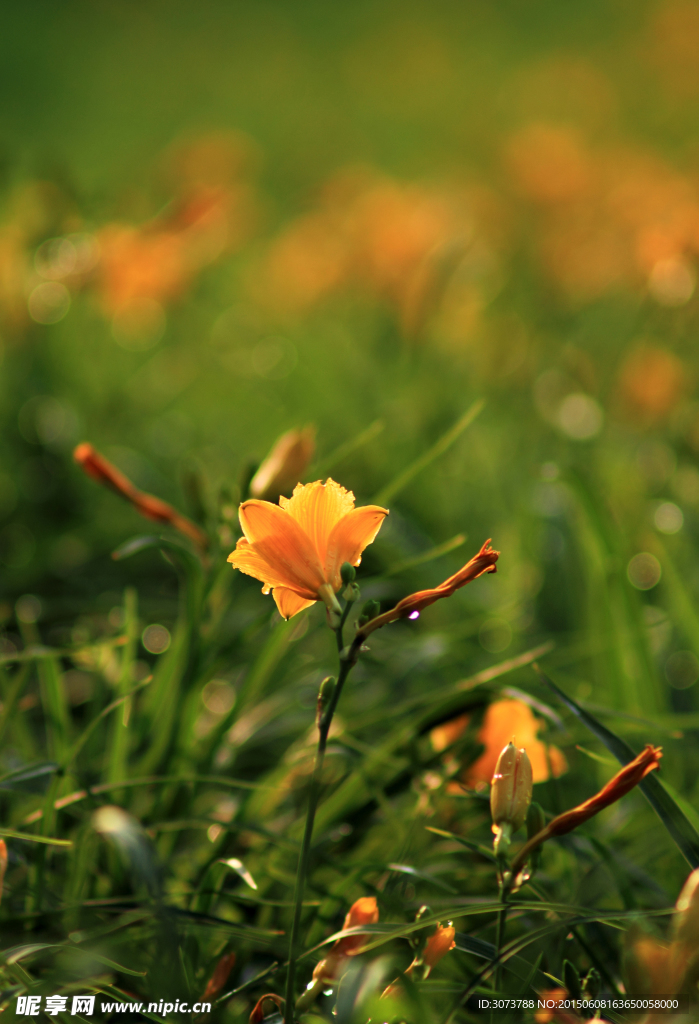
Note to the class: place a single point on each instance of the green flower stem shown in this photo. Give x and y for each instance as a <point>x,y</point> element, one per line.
<point>348,659</point>
<point>500,933</point>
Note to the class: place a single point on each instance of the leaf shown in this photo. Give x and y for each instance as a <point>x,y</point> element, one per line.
<point>670,813</point>
<point>29,838</point>
<point>406,869</point>
<point>27,774</point>
<point>481,848</point>
<point>237,865</point>
<point>423,461</point>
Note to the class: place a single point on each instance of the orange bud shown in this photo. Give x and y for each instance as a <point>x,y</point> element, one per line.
<point>218,979</point>
<point>481,563</point>
<point>511,788</point>
<point>362,911</point>
<point>438,945</point>
<point>258,1013</point>
<point>621,784</point>
<point>285,464</point>
<point>101,470</point>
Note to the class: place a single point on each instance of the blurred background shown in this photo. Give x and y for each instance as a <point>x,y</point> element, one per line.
<point>222,221</point>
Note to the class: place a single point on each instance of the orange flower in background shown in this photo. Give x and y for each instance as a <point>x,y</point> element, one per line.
<point>284,465</point>
<point>363,911</point>
<point>652,381</point>
<point>147,505</point>
<point>503,720</point>
<point>297,548</point>
<point>413,604</point>
<point>438,945</point>
<point>259,1013</point>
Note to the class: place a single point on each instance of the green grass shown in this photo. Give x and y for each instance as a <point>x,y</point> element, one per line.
<point>443,403</point>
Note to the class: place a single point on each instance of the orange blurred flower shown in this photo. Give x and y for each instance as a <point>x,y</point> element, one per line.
<point>101,470</point>
<point>503,720</point>
<point>218,979</point>
<point>284,465</point>
<point>438,945</point>
<point>652,381</point>
<point>413,604</point>
<point>654,968</point>
<point>621,784</point>
<point>553,1011</point>
<point>363,911</point>
<point>258,1012</point>
<point>296,548</point>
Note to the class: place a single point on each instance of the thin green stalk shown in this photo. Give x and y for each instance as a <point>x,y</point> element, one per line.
<point>500,934</point>
<point>346,664</point>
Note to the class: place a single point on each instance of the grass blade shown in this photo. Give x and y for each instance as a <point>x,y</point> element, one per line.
<point>445,442</point>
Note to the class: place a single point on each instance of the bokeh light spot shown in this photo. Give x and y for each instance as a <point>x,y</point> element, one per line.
<point>156,639</point>
<point>644,571</point>
<point>28,609</point>
<point>580,416</point>
<point>672,282</point>
<point>682,670</point>
<point>668,517</point>
<point>49,302</point>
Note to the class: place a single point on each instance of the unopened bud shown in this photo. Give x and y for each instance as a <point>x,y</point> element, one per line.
<point>351,593</point>
<point>325,695</point>
<point>685,920</point>
<point>592,983</point>
<point>511,788</point>
<point>571,979</point>
<point>438,945</point>
<point>370,610</point>
<point>348,573</point>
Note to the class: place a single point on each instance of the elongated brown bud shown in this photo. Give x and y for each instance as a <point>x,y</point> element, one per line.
<point>412,605</point>
<point>102,470</point>
<point>621,784</point>
<point>218,979</point>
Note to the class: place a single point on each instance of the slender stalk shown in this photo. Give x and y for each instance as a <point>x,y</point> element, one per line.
<point>346,665</point>
<point>500,933</point>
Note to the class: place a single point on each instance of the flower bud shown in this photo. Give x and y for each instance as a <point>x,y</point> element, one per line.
<point>285,464</point>
<point>685,920</point>
<point>438,945</point>
<point>348,573</point>
<point>370,610</point>
<point>511,788</point>
<point>325,695</point>
<point>592,983</point>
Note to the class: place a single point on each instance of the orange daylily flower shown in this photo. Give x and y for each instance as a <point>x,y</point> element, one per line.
<point>503,719</point>
<point>481,563</point>
<point>297,548</point>
<point>104,472</point>
<point>362,911</point>
<point>438,945</point>
<point>441,942</point>
<point>621,784</point>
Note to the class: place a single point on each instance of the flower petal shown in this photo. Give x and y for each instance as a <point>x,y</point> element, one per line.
<point>317,508</point>
<point>250,561</point>
<point>349,537</point>
<point>283,545</point>
<point>289,603</point>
